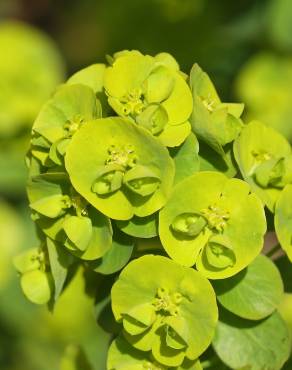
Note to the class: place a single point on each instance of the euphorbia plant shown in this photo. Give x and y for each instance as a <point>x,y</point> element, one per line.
<point>140,173</point>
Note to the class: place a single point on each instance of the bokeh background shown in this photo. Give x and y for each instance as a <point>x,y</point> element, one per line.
<point>244,45</point>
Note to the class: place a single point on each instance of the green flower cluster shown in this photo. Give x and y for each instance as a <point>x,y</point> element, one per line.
<point>137,166</point>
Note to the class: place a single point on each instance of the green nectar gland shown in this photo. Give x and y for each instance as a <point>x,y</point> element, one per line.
<point>216,217</point>
<point>73,125</point>
<point>133,103</point>
<point>166,303</point>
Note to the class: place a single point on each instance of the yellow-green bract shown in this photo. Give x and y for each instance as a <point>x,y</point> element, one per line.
<point>65,216</point>
<point>151,92</point>
<point>122,356</point>
<point>265,160</point>
<point>214,122</point>
<point>60,118</point>
<point>165,308</point>
<point>214,223</point>
<point>36,281</point>
<point>120,168</point>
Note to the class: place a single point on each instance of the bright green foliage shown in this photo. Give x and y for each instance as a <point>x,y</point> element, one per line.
<point>151,92</point>
<point>254,293</point>
<point>216,123</point>
<point>66,217</point>
<point>161,312</point>
<point>265,161</point>
<point>140,227</point>
<point>218,225</point>
<point>123,171</point>
<point>36,280</point>
<point>122,356</point>
<point>60,118</point>
<point>257,345</point>
<point>283,220</point>
<point>136,166</point>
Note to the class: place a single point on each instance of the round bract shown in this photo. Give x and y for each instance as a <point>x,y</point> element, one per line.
<point>165,308</point>
<point>151,92</point>
<point>265,161</point>
<point>120,168</point>
<point>60,118</point>
<point>216,224</point>
<point>215,123</point>
<point>122,356</point>
<point>65,216</point>
<point>255,345</point>
<point>254,293</point>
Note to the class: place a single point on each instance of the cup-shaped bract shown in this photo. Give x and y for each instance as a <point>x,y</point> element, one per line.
<point>120,168</point>
<point>265,160</point>
<point>214,122</point>
<point>60,118</point>
<point>63,215</point>
<point>283,220</point>
<point>122,356</point>
<point>214,223</point>
<point>151,92</point>
<point>165,308</point>
<point>36,279</point>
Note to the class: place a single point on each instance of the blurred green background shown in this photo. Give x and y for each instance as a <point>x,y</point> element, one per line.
<point>244,45</point>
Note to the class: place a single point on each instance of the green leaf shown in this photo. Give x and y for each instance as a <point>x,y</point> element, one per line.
<point>116,257</point>
<point>59,263</point>
<point>212,161</point>
<point>253,293</point>
<point>118,141</point>
<point>232,234</point>
<point>186,158</point>
<point>37,286</point>
<point>259,345</point>
<point>140,227</point>
<point>179,308</point>
<point>283,220</point>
